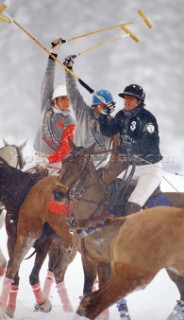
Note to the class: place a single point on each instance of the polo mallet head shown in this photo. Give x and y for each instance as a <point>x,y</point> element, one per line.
<point>4,19</point>
<point>2,9</point>
<point>4,6</point>
<point>145,19</point>
<point>130,33</point>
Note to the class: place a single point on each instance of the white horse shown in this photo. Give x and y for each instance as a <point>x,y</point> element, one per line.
<point>13,156</point>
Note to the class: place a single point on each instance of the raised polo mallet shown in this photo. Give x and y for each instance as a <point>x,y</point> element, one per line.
<point>128,34</point>
<point>140,12</point>
<point>87,87</point>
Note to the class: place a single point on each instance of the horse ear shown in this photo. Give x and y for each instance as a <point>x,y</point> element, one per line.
<point>72,145</point>
<point>22,146</point>
<point>5,142</point>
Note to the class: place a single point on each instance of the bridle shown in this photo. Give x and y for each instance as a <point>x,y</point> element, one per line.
<point>20,161</point>
<point>73,193</point>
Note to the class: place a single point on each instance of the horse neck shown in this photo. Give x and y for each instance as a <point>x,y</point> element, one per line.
<point>12,185</point>
<point>90,203</point>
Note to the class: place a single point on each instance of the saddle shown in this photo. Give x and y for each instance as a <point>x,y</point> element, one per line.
<point>120,191</point>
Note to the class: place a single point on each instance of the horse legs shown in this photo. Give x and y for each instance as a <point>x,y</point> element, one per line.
<point>22,246</point>
<point>2,257</point>
<point>179,282</point>
<point>42,303</point>
<point>60,256</point>
<point>11,229</point>
<point>179,308</point>
<point>2,263</point>
<point>90,273</point>
<point>104,273</point>
<point>124,280</point>
<point>11,306</point>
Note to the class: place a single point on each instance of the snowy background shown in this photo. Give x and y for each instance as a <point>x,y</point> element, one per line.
<point>156,63</point>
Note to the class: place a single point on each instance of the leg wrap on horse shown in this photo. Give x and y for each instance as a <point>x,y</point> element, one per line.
<point>4,294</point>
<point>38,293</point>
<point>123,309</point>
<point>48,284</point>
<point>10,310</point>
<point>2,271</point>
<point>62,291</point>
<point>178,311</point>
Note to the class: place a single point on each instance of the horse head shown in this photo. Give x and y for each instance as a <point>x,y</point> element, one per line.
<point>73,167</point>
<point>12,154</point>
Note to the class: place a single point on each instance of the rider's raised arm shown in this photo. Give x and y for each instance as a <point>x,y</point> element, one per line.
<point>76,99</point>
<point>47,86</point>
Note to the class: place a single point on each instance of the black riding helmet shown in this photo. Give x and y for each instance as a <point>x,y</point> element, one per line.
<point>133,90</point>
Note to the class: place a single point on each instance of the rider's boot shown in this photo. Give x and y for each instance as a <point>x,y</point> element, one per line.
<point>178,311</point>
<point>123,310</point>
<point>132,207</point>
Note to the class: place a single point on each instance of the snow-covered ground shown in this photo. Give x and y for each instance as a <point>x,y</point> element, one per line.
<point>153,303</point>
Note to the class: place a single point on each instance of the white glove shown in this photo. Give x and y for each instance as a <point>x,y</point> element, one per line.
<point>56,45</point>
<point>41,163</point>
<point>68,62</point>
<point>108,108</point>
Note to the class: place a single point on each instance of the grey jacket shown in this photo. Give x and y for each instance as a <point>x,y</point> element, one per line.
<point>87,130</point>
<point>52,122</point>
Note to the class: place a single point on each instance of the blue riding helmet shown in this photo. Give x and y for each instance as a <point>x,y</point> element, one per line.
<point>105,95</point>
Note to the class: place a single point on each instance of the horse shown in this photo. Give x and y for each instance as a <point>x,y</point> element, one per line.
<point>14,186</point>
<point>12,155</point>
<point>117,241</point>
<point>33,215</point>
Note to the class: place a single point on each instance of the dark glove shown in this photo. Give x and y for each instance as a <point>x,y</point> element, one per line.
<point>108,108</point>
<point>68,62</point>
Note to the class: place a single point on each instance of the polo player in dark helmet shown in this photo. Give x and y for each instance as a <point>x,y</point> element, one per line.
<point>139,136</point>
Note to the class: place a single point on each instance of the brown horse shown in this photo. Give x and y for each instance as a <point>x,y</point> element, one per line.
<point>124,243</point>
<point>14,186</point>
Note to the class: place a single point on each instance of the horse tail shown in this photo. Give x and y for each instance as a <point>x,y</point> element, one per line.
<point>31,255</point>
<point>46,232</point>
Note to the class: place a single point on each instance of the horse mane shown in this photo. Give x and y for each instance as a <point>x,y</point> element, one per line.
<point>15,185</point>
